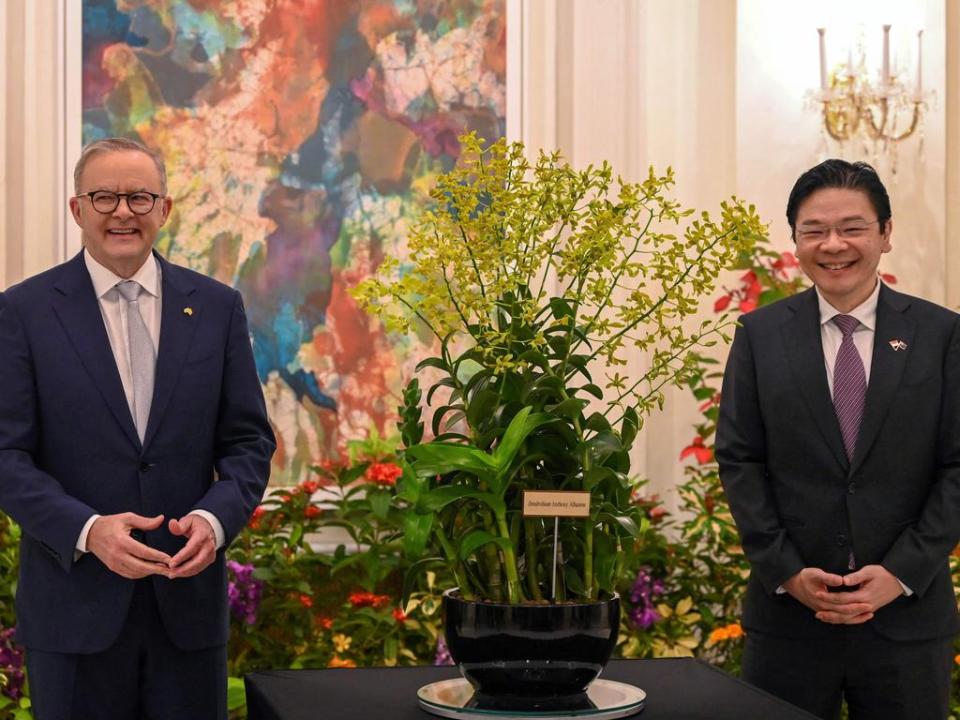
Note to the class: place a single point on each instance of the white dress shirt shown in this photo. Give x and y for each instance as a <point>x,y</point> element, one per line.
<point>113,311</point>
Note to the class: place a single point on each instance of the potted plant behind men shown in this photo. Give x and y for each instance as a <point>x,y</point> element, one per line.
<point>539,280</point>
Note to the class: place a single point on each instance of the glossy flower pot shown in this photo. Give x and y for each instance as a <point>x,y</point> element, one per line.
<point>530,657</point>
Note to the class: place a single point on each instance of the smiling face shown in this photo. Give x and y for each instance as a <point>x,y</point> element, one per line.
<point>121,240</point>
<point>844,269</point>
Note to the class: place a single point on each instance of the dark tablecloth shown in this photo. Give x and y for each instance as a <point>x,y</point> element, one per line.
<point>678,689</point>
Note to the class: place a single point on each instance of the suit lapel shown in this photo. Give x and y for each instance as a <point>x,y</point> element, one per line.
<point>886,367</point>
<point>804,351</point>
<point>78,310</point>
<point>178,320</point>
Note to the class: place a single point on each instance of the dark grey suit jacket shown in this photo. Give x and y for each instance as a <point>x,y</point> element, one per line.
<point>796,498</point>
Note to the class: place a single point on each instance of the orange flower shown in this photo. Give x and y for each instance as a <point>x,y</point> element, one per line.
<point>722,303</point>
<point>312,511</point>
<point>305,600</point>
<point>698,450</point>
<point>383,474</point>
<point>888,278</point>
<point>337,662</point>
<point>728,632</point>
<point>399,615</point>
<point>957,659</point>
<point>310,486</point>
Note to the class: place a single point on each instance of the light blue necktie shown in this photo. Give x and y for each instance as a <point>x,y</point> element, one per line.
<point>143,356</point>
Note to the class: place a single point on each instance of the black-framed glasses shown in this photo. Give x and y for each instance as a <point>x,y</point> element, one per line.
<point>845,231</point>
<point>105,201</point>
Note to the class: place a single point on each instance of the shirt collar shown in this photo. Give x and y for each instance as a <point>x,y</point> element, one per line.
<point>104,280</point>
<point>865,312</point>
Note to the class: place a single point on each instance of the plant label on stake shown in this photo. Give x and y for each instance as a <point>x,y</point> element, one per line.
<point>555,504</point>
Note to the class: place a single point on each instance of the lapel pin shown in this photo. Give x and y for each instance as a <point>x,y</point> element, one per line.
<point>189,311</point>
<point>898,345</point>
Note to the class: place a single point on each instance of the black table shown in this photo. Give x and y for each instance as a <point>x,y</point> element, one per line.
<point>677,688</point>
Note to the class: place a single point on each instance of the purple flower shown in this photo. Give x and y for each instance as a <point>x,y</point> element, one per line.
<point>443,653</point>
<point>11,664</point>
<point>643,595</point>
<point>243,592</point>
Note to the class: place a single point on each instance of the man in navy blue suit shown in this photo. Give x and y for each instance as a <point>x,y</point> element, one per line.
<point>134,445</point>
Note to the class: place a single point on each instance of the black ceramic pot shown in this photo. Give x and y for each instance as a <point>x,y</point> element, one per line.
<point>530,657</point>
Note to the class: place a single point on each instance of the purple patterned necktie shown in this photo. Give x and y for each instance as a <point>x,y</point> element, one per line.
<point>849,384</point>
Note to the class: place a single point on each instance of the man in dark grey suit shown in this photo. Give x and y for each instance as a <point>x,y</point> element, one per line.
<point>839,450</point>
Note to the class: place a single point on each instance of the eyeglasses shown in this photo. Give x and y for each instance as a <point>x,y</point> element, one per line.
<point>847,231</point>
<point>105,202</point>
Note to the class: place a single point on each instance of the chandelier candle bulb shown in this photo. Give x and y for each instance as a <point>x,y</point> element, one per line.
<point>885,73</point>
<point>823,59</point>
<point>919,63</point>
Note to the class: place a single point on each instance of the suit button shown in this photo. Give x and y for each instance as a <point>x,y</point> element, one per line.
<point>841,540</point>
<point>146,467</point>
<point>852,488</point>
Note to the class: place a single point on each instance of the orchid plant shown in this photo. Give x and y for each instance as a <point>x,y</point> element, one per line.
<point>539,282</point>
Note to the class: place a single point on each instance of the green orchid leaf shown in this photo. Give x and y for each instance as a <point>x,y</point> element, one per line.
<point>477,539</point>
<point>433,362</point>
<point>481,407</point>
<point>467,369</point>
<point>571,408</point>
<point>440,458</point>
<point>629,427</point>
<point>598,423</point>
<point>520,427</point>
<point>593,390</point>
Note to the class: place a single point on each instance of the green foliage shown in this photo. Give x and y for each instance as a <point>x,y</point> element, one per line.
<point>533,277</point>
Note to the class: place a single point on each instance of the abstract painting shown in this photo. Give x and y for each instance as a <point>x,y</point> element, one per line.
<point>301,139</point>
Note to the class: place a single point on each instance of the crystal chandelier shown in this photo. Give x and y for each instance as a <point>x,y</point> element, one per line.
<point>880,112</point>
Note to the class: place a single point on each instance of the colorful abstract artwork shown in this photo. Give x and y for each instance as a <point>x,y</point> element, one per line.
<point>301,139</point>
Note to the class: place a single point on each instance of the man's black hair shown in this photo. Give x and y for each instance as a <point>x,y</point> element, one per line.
<point>836,173</point>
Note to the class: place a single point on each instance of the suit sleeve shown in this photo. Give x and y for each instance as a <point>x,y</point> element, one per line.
<point>742,456</point>
<point>920,552</point>
<point>32,497</point>
<point>244,442</point>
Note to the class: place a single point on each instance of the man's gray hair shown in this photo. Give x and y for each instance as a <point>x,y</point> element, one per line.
<point>117,144</point>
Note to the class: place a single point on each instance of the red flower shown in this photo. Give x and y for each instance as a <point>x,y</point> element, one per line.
<point>311,511</point>
<point>324,622</point>
<point>258,512</point>
<point>305,600</point>
<point>722,303</point>
<point>399,615</point>
<point>368,599</point>
<point>310,486</point>
<point>383,474</point>
<point>697,449</point>
<point>888,278</point>
<point>784,264</point>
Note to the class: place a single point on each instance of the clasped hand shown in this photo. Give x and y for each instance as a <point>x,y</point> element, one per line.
<point>110,540</point>
<point>877,587</point>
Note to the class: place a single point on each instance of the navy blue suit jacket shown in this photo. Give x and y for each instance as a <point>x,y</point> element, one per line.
<point>69,449</point>
<point>796,498</point>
